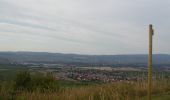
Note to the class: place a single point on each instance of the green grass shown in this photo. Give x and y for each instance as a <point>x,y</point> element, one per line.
<point>74,84</point>
<point>8,72</point>
<point>162,97</point>
<point>159,97</point>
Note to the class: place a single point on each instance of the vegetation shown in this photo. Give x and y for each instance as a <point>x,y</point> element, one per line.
<point>114,91</point>
<point>36,86</point>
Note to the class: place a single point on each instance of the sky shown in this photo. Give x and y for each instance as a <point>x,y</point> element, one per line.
<point>101,27</point>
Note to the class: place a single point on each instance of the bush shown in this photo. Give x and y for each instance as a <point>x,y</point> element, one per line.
<point>44,83</point>
<point>25,81</point>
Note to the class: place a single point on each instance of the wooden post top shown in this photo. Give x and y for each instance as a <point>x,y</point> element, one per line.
<point>151,28</point>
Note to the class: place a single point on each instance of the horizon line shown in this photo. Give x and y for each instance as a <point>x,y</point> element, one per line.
<point>82,53</point>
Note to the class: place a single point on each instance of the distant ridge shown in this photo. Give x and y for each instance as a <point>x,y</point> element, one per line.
<point>45,57</point>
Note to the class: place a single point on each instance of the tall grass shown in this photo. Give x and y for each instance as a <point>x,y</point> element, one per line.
<point>111,91</point>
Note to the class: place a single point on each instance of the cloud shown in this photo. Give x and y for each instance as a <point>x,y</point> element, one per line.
<point>84,26</point>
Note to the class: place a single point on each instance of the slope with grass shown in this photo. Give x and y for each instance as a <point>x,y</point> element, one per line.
<point>112,91</point>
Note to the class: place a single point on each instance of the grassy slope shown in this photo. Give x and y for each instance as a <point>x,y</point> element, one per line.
<point>115,91</point>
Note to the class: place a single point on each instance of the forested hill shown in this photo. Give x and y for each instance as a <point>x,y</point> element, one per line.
<point>44,57</point>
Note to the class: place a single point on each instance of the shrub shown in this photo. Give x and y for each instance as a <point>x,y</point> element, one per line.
<point>44,83</point>
<point>23,80</point>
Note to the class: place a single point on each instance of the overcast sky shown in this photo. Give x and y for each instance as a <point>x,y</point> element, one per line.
<point>84,26</point>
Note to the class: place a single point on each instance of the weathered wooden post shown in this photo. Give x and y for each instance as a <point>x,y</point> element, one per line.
<point>151,32</point>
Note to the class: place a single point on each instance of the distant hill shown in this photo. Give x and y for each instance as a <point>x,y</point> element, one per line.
<point>44,57</point>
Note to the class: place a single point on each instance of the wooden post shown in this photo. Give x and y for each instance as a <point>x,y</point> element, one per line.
<point>150,63</point>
